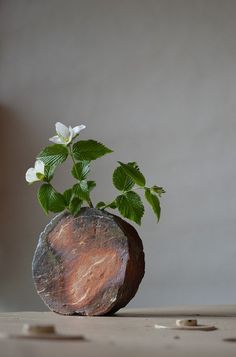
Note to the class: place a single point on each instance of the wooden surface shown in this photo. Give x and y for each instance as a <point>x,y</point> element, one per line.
<point>91,264</point>
<point>129,333</point>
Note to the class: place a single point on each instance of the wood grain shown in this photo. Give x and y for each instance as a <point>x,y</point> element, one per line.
<point>91,264</point>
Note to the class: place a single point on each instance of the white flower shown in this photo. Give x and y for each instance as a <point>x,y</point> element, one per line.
<point>64,134</point>
<point>35,173</point>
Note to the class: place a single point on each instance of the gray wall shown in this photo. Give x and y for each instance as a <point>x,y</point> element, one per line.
<point>155,81</point>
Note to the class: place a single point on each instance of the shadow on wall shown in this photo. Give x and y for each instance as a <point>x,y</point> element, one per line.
<point>17,241</point>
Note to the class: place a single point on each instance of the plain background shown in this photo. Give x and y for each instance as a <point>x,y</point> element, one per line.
<point>155,80</point>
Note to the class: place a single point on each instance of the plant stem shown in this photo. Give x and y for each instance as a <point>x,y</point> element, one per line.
<point>72,156</point>
<point>74,162</point>
<point>90,203</point>
<point>108,205</point>
<point>136,188</point>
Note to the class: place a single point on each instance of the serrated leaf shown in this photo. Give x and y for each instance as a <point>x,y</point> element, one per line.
<point>81,190</point>
<point>80,170</point>
<point>89,150</point>
<point>52,156</point>
<point>132,170</point>
<point>75,205</point>
<point>130,206</point>
<point>67,196</point>
<point>91,185</point>
<point>48,173</point>
<point>113,205</point>
<point>121,180</point>
<point>153,200</point>
<point>84,185</point>
<point>100,205</point>
<point>50,199</point>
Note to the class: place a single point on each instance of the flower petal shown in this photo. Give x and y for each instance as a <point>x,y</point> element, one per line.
<point>62,130</point>
<point>30,175</point>
<point>70,136</point>
<point>56,139</point>
<point>39,167</point>
<point>77,129</point>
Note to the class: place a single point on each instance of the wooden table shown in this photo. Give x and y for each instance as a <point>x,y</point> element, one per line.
<point>128,333</point>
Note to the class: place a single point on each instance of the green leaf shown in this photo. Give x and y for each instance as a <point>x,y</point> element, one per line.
<point>100,205</point>
<point>89,150</point>
<point>153,200</point>
<point>130,206</point>
<point>67,196</point>
<point>158,190</point>
<point>48,173</point>
<point>121,180</point>
<point>75,205</point>
<point>132,170</point>
<point>113,205</point>
<point>91,185</point>
<point>80,170</point>
<point>81,190</point>
<point>52,156</point>
<point>50,199</point>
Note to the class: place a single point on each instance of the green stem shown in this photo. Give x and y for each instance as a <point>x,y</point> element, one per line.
<point>90,203</point>
<point>72,156</point>
<point>74,162</point>
<point>108,205</point>
<point>136,188</point>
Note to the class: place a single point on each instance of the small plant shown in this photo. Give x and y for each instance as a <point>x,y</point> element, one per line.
<point>127,178</point>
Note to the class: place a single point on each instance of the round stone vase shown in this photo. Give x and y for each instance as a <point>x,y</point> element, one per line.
<point>91,264</point>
